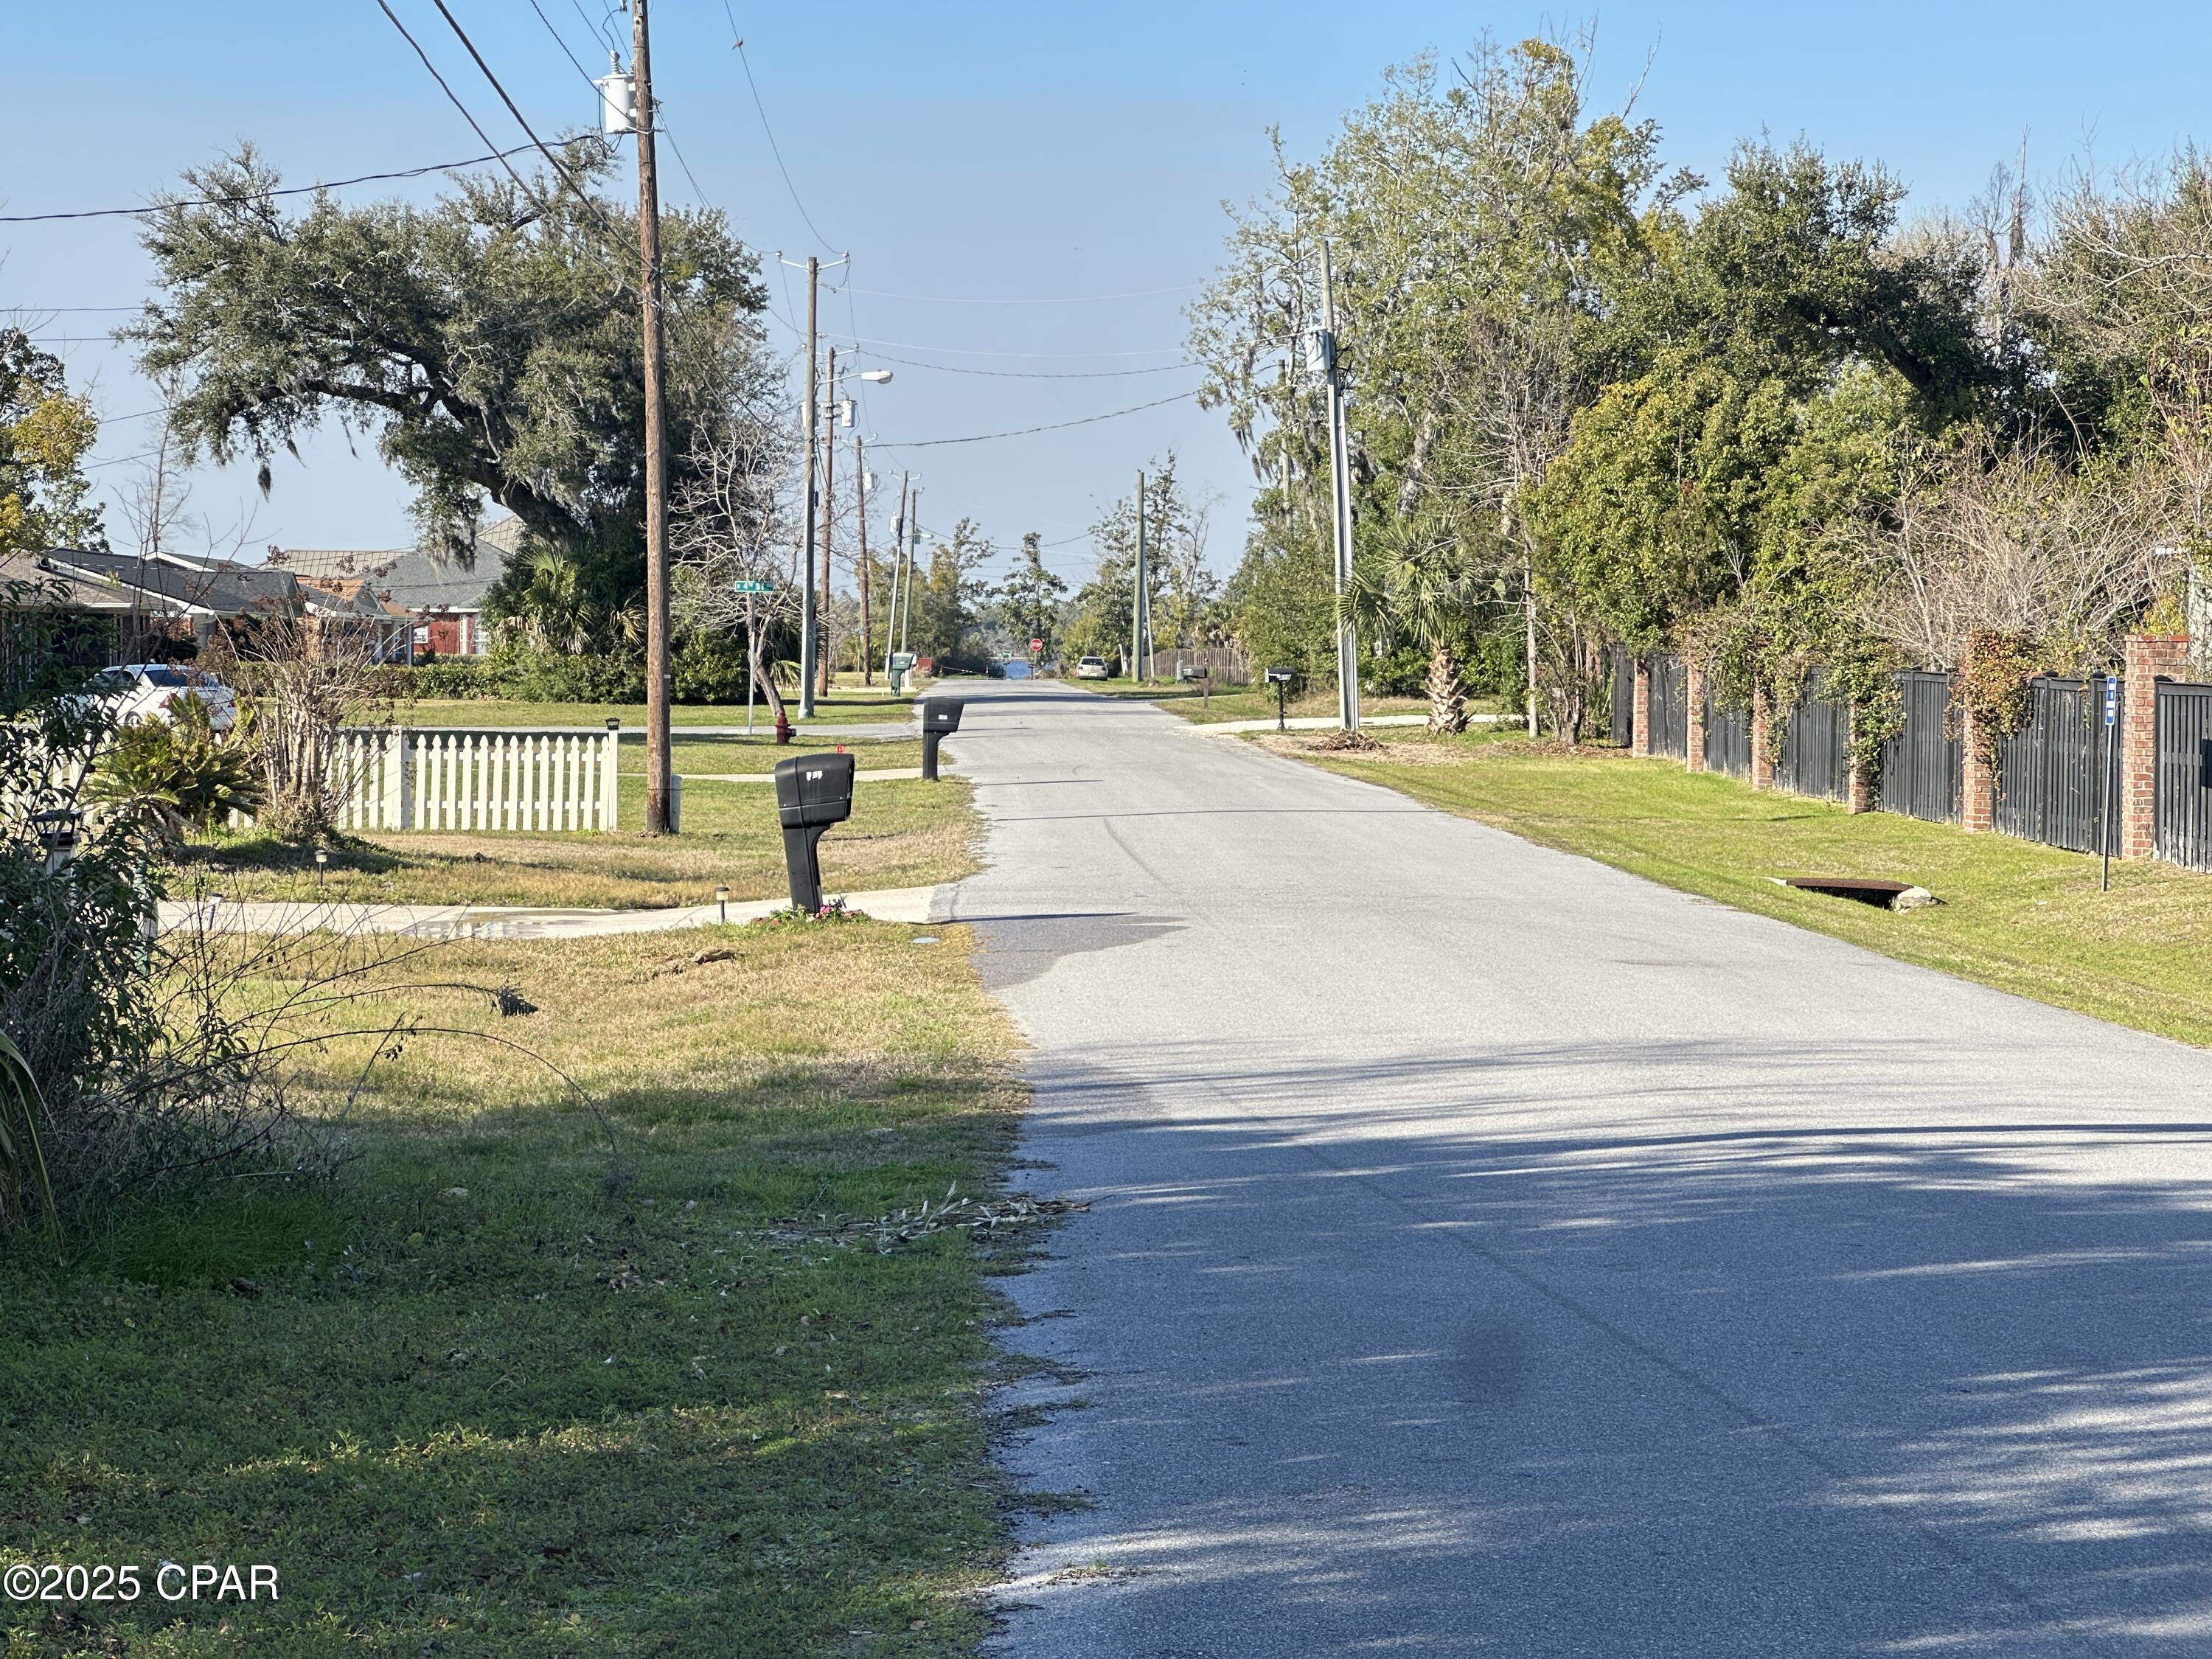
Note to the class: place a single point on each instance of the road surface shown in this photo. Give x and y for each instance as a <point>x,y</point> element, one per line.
<point>1491,1253</point>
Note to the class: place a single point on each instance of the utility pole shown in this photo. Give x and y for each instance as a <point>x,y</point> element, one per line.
<point>898,563</point>
<point>806,558</point>
<point>913,559</point>
<point>828,468</point>
<point>860,494</point>
<point>1137,617</point>
<point>1529,618</point>
<point>1347,641</point>
<point>657,783</point>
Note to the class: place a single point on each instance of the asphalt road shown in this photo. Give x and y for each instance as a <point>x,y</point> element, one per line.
<point>1491,1253</point>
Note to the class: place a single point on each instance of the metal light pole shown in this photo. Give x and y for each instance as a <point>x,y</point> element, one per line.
<point>1347,640</point>
<point>1137,618</point>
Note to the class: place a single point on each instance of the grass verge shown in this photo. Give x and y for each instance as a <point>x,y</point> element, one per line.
<point>494,1392</point>
<point>852,705</point>
<point>2022,917</point>
<point>1246,702</point>
<point>904,833</point>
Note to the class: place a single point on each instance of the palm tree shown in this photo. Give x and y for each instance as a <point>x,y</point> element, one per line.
<point>553,606</point>
<point>1415,578</point>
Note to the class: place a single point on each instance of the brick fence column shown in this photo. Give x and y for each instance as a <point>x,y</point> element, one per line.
<point>1977,783</point>
<point>1639,735</point>
<point>1762,743</point>
<point>1693,679</point>
<point>2149,657</point>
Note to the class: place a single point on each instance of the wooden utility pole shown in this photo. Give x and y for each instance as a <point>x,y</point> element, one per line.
<point>860,493</point>
<point>829,467</point>
<point>657,786</point>
<point>806,633</point>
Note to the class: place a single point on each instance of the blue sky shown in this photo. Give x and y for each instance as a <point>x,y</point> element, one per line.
<point>981,152</point>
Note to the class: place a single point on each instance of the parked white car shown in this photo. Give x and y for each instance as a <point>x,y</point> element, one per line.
<point>143,690</point>
<point>1091,668</point>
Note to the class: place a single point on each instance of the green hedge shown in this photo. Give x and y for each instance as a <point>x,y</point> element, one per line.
<point>709,669</point>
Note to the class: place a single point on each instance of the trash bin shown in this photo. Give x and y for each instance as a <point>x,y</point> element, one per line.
<point>938,716</point>
<point>812,792</point>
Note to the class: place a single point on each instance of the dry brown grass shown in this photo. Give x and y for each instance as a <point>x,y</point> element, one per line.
<point>902,834</point>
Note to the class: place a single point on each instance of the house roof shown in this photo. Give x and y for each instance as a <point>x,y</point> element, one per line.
<point>171,584</point>
<point>408,579</point>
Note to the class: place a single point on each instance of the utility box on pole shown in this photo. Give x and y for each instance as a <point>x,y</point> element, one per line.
<point>812,792</point>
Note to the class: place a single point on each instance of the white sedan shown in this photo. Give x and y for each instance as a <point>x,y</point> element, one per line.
<point>144,690</point>
<point>1090,668</point>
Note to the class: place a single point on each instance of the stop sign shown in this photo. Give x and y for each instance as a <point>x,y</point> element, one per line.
<point>1036,645</point>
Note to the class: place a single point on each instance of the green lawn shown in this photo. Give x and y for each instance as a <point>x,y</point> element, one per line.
<point>853,705</point>
<point>2023,917</point>
<point>904,833</point>
<point>1245,702</point>
<point>693,757</point>
<point>501,1390</point>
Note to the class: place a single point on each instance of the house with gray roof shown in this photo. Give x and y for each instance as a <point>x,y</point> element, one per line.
<point>444,601</point>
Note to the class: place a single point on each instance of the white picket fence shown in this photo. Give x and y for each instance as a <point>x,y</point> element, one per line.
<point>478,777</point>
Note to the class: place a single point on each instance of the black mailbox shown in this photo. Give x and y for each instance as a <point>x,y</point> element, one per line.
<point>1280,679</point>
<point>813,792</point>
<point>938,716</point>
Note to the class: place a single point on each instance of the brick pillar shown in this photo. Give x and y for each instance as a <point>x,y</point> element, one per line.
<point>1762,743</point>
<point>2150,656</point>
<point>1693,679</point>
<point>1639,736</point>
<point>1859,796</point>
<point>1977,784</point>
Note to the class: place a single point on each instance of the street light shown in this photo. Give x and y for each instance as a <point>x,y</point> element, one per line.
<point>876,376</point>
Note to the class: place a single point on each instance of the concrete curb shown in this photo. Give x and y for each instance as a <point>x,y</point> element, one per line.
<point>287,916</point>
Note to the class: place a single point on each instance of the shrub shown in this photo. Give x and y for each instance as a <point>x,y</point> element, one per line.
<point>180,775</point>
<point>458,678</point>
<point>709,668</point>
<point>534,675</point>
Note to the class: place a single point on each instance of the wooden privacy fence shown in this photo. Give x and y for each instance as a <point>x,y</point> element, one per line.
<point>478,777</point>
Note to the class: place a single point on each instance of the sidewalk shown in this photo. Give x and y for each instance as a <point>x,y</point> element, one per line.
<point>908,904</point>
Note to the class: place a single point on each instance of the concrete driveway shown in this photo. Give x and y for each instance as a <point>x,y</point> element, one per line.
<point>1491,1253</point>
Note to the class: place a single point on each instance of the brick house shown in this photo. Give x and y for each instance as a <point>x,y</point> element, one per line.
<point>443,602</point>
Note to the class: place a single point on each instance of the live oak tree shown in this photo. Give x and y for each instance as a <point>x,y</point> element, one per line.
<point>489,343</point>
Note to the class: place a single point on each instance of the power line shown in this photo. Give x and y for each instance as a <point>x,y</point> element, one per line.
<point>263,195</point>
<point>963,351</point>
<point>1034,373</point>
<point>1023,432</point>
<point>1070,300</point>
<point>774,148</point>
<point>559,171</point>
<point>561,42</point>
<point>453,98</point>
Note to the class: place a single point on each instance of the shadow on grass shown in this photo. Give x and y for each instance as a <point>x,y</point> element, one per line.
<point>481,1398</point>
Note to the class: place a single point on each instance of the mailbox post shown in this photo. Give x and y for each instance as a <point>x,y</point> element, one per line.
<point>1280,679</point>
<point>813,792</point>
<point>938,716</point>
